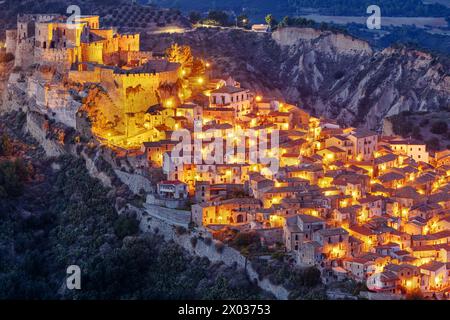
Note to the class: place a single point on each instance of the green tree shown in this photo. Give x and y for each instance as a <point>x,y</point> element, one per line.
<point>433,144</point>
<point>12,178</point>
<point>5,146</point>
<point>219,16</point>
<point>270,20</point>
<point>126,226</point>
<point>243,21</point>
<point>439,127</point>
<point>194,17</point>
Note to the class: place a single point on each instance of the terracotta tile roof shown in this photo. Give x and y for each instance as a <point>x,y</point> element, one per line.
<point>433,266</point>
<point>228,90</point>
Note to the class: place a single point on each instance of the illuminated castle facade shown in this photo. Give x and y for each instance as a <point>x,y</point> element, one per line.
<point>84,53</point>
<point>52,39</point>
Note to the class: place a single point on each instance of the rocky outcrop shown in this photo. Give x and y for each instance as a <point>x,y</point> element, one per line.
<point>343,78</point>
<point>324,41</point>
<point>37,127</point>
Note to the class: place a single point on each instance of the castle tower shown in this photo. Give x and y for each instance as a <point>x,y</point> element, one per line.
<point>11,41</point>
<point>202,191</point>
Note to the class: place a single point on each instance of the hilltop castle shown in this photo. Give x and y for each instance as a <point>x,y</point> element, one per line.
<point>84,53</point>
<point>52,39</point>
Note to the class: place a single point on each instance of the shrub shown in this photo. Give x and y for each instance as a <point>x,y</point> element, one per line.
<point>424,122</point>
<point>194,241</point>
<point>439,127</point>
<point>4,58</point>
<point>219,246</point>
<point>416,133</point>
<point>433,144</point>
<point>5,146</point>
<point>278,256</point>
<point>179,230</point>
<point>194,17</point>
<point>13,174</point>
<point>338,75</point>
<point>244,239</point>
<point>208,241</point>
<point>126,226</point>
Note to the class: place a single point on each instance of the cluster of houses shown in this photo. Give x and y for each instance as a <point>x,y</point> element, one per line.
<point>347,200</point>
<point>351,202</point>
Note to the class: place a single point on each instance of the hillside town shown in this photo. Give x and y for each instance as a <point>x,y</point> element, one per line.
<point>349,201</point>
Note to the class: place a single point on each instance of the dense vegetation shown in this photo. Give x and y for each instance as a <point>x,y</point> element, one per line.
<point>69,218</point>
<point>326,7</point>
<point>430,127</point>
<point>404,8</point>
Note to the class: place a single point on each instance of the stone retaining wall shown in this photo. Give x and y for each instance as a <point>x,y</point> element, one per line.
<point>226,254</point>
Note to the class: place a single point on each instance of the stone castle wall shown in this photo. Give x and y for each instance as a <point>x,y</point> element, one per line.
<point>11,41</point>
<point>145,85</point>
<point>60,58</point>
<point>92,52</point>
<point>129,42</point>
<point>24,56</point>
<point>85,76</point>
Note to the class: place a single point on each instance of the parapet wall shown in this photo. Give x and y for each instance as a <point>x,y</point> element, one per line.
<point>129,42</point>
<point>85,76</point>
<point>56,57</point>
